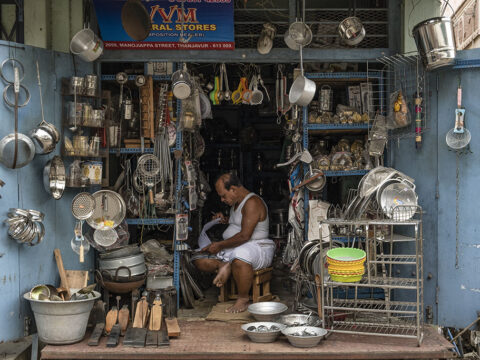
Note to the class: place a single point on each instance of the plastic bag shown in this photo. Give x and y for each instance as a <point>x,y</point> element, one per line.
<point>398,112</point>
<point>190,116</point>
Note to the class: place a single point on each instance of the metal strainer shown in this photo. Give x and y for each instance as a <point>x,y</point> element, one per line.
<point>105,237</point>
<point>109,210</point>
<point>83,206</point>
<point>148,170</point>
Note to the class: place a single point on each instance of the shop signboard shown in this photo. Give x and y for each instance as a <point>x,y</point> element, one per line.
<point>207,25</point>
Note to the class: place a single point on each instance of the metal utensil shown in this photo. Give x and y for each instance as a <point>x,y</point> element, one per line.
<point>45,136</point>
<point>105,237</point>
<point>83,206</point>
<point>458,137</point>
<point>135,20</point>
<point>109,212</point>
<point>54,177</point>
<point>303,89</point>
<point>16,150</point>
<point>148,170</point>
<point>227,94</point>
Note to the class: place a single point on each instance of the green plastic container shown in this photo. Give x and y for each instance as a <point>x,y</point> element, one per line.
<point>346,254</point>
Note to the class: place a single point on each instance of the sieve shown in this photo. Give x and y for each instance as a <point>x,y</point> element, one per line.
<point>148,171</point>
<point>105,237</point>
<point>109,210</point>
<point>83,206</point>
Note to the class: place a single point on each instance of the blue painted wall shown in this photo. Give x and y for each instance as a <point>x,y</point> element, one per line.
<point>454,293</point>
<point>23,267</point>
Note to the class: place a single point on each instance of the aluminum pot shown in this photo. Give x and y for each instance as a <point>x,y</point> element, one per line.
<point>87,45</point>
<point>54,177</point>
<point>435,42</point>
<point>128,261</point>
<point>303,90</point>
<point>351,30</point>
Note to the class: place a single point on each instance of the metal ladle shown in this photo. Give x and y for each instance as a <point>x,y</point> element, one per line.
<point>227,94</point>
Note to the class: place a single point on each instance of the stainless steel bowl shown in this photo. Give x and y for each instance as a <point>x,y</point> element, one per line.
<point>267,310</point>
<point>304,341</point>
<point>260,336</point>
<point>128,261</point>
<point>299,320</point>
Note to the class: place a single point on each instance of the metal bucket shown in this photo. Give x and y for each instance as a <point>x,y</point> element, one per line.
<point>435,42</point>
<point>61,322</point>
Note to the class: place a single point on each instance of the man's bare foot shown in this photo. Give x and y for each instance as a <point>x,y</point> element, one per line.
<point>240,306</point>
<point>223,274</point>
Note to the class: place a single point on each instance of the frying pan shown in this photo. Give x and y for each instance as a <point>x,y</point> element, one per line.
<point>135,20</point>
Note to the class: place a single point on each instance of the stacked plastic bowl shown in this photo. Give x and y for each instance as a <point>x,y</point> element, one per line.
<point>346,264</point>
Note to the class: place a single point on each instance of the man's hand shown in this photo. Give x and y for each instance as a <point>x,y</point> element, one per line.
<point>219,215</point>
<point>213,248</point>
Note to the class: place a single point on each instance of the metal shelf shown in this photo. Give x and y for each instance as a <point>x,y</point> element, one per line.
<point>365,328</point>
<point>131,150</point>
<point>159,221</point>
<point>341,222</point>
<point>134,150</point>
<point>339,126</point>
<point>345,75</point>
<point>396,238</point>
<point>395,259</point>
<point>132,77</point>
<point>380,282</point>
<point>397,307</point>
<point>346,173</point>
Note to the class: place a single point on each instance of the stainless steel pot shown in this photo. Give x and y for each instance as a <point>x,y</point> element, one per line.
<point>351,30</point>
<point>435,42</point>
<point>181,84</point>
<point>54,177</point>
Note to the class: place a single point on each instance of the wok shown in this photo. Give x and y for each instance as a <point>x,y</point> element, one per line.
<point>135,20</point>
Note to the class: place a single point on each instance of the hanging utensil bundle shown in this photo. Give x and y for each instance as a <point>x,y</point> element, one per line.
<point>25,226</point>
<point>16,150</point>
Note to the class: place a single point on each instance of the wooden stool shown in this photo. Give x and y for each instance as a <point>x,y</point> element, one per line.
<point>260,287</point>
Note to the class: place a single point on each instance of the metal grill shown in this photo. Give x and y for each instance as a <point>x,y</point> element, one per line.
<point>323,22</point>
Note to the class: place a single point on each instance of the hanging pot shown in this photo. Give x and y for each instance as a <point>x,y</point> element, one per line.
<point>181,84</point>
<point>351,30</point>
<point>303,89</point>
<point>135,20</point>
<point>87,45</point>
<point>435,42</point>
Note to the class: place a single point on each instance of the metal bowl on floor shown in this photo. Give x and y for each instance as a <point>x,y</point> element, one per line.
<point>267,310</point>
<point>263,332</point>
<point>299,320</point>
<point>304,336</point>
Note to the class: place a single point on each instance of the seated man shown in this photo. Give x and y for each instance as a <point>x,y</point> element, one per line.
<point>245,247</point>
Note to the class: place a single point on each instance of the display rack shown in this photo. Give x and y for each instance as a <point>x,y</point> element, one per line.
<point>368,76</point>
<point>379,317</point>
